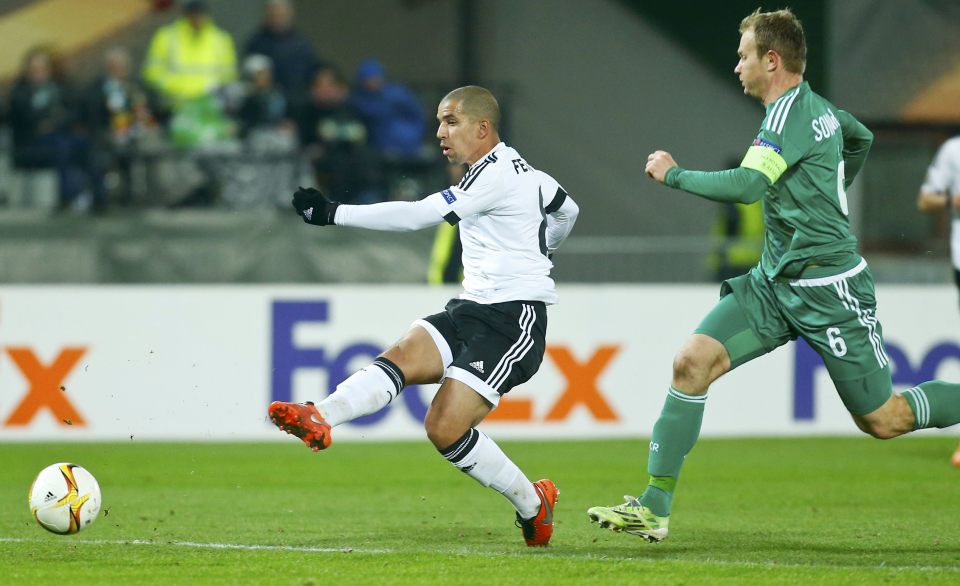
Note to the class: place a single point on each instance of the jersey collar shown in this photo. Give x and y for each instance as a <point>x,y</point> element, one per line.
<point>800,87</point>
<point>495,148</point>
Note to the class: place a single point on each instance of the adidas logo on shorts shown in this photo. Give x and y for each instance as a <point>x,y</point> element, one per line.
<point>478,366</point>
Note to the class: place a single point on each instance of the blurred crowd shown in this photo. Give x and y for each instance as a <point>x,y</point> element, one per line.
<point>196,95</point>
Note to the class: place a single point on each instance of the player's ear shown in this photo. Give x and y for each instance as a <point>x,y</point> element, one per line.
<point>773,60</point>
<point>483,128</point>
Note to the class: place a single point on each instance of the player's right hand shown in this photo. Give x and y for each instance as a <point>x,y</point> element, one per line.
<point>658,163</point>
<point>314,207</point>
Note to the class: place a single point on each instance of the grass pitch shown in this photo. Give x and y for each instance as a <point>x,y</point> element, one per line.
<point>800,511</point>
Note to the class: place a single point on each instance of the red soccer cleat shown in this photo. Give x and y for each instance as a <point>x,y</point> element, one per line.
<point>538,530</point>
<point>302,420</point>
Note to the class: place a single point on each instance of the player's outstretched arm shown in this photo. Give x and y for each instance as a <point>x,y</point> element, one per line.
<point>740,185</point>
<point>394,216</point>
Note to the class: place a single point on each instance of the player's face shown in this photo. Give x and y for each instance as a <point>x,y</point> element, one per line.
<point>751,68</point>
<point>458,134</point>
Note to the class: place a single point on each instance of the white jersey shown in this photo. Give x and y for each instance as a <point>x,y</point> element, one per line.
<point>502,205</point>
<point>943,176</point>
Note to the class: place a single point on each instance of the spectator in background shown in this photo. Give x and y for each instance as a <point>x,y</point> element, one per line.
<point>335,141</point>
<point>45,130</point>
<point>190,58</point>
<point>738,230</point>
<point>264,107</point>
<point>391,112</point>
<point>119,112</point>
<point>189,62</point>
<point>293,57</point>
<point>446,256</point>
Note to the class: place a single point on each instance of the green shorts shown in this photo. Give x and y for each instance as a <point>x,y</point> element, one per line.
<point>836,315</point>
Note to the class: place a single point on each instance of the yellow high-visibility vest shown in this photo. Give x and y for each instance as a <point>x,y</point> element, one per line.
<point>183,63</point>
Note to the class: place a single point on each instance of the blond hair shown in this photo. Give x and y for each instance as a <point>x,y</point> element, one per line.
<point>779,31</point>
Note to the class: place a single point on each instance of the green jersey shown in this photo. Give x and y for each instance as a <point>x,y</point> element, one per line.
<point>805,156</point>
<point>800,148</point>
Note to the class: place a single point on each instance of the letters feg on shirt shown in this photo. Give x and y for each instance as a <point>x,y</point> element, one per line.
<point>501,206</point>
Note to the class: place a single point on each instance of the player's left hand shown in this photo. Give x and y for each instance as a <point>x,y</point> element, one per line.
<point>658,163</point>
<point>314,207</point>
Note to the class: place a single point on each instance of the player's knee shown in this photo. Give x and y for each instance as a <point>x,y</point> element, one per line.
<point>892,419</point>
<point>699,362</point>
<point>691,366</point>
<point>879,430</point>
<point>441,432</point>
<point>879,426</point>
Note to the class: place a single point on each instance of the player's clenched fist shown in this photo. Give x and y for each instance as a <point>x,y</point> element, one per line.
<point>658,163</point>
<point>314,207</point>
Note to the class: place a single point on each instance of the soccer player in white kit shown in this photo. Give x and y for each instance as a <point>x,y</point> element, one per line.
<point>941,191</point>
<point>512,217</point>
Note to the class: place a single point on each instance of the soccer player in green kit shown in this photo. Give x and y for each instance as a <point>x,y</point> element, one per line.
<point>810,281</point>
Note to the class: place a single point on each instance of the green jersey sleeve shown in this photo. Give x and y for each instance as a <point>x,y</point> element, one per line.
<point>738,185</point>
<point>857,140</point>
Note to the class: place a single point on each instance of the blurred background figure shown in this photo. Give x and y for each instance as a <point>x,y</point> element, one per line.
<point>941,191</point>
<point>334,139</point>
<point>190,58</point>
<point>46,133</point>
<point>264,110</point>
<point>738,233</point>
<point>393,115</point>
<point>446,256</point>
<point>293,56</point>
<point>189,63</point>
<point>120,112</point>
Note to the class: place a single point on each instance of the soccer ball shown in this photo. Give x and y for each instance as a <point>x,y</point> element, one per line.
<point>65,498</point>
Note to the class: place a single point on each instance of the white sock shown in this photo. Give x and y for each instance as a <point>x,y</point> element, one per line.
<point>481,458</point>
<point>366,391</point>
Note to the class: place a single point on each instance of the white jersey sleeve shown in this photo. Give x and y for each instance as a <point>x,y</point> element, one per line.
<point>943,175</point>
<point>478,192</point>
<point>394,216</point>
<point>561,213</point>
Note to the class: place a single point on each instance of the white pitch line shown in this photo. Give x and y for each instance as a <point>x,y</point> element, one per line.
<point>586,556</point>
<point>240,546</point>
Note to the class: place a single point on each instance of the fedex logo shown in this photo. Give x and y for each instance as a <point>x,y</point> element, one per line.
<point>807,361</point>
<point>45,390</point>
<point>581,389</point>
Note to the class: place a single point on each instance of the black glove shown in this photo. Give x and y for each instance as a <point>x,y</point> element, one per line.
<point>314,207</point>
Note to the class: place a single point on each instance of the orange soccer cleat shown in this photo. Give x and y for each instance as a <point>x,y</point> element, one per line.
<point>956,458</point>
<point>302,420</point>
<point>538,530</point>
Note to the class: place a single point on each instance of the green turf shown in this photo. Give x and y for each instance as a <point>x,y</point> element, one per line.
<point>795,511</point>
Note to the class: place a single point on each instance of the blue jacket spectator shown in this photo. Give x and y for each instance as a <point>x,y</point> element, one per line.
<point>293,57</point>
<point>392,113</point>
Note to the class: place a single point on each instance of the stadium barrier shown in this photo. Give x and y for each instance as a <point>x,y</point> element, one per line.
<point>203,362</point>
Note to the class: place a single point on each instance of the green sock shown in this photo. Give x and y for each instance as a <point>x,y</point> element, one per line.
<point>934,403</point>
<point>674,435</point>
